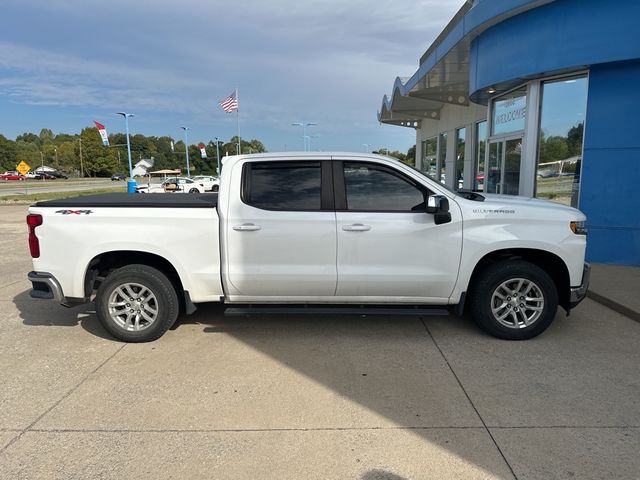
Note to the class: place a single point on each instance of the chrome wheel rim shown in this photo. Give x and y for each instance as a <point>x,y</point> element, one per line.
<point>517,303</point>
<point>133,307</point>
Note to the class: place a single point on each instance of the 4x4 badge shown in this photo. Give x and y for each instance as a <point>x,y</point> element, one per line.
<point>74,212</point>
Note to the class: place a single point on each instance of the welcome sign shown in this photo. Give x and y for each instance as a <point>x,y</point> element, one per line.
<point>509,114</point>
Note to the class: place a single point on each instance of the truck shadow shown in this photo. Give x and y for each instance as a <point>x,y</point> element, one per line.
<point>49,314</point>
<point>387,364</point>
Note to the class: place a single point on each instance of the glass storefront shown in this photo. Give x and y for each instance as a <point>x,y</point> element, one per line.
<point>500,142</point>
<point>461,136</point>
<point>562,112</point>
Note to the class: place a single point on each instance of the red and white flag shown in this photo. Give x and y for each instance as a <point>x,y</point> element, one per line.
<point>203,150</point>
<point>103,133</point>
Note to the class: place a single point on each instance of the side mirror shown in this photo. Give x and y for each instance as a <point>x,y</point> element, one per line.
<point>438,205</point>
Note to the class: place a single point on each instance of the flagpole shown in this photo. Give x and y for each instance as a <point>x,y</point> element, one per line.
<point>238,119</point>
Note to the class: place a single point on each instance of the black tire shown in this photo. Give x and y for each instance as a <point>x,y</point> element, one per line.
<point>502,277</point>
<point>215,188</point>
<point>194,190</point>
<point>163,299</point>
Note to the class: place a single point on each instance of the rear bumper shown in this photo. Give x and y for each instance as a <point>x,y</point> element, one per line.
<point>44,286</point>
<point>577,294</point>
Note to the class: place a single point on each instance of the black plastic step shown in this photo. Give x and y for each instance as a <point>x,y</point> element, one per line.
<point>249,310</point>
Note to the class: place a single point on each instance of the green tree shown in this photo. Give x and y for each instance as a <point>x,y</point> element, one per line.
<point>98,159</point>
<point>8,154</point>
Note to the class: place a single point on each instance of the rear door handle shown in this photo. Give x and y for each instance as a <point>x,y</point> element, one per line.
<point>356,227</point>
<point>247,227</point>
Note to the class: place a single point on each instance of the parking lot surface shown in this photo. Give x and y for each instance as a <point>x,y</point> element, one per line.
<point>310,397</point>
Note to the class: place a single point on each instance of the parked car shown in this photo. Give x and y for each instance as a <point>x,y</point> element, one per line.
<point>329,229</point>
<point>118,176</point>
<point>57,174</point>
<point>173,185</point>
<point>210,183</point>
<point>12,175</point>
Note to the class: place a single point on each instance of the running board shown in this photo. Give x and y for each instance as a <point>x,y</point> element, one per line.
<point>332,310</point>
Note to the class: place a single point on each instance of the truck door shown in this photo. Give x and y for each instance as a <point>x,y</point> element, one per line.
<point>388,246</point>
<point>281,231</point>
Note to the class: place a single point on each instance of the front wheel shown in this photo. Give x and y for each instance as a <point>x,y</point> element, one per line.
<point>513,300</point>
<point>137,303</point>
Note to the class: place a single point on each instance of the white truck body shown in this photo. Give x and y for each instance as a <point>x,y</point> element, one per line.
<point>235,252</point>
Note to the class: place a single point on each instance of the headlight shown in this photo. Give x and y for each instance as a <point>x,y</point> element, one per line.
<point>579,228</point>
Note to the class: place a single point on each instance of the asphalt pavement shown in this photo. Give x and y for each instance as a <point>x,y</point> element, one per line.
<point>310,397</point>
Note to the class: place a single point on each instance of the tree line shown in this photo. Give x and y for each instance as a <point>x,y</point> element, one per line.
<point>85,154</point>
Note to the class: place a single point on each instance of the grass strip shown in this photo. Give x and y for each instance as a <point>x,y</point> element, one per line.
<point>37,197</point>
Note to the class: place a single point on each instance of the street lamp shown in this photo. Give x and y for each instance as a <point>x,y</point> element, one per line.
<point>304,126</point>
<point>218,155</point>
<point>131,184</point>
<point>186,149</point>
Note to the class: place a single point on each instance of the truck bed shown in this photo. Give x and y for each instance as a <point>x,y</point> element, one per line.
<point>137,200</point>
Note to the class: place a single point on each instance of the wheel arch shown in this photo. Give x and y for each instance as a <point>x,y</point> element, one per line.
<point>102,264</point>
<point>551,263</point>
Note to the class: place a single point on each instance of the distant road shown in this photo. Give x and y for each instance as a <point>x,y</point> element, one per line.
<point>13,187</point>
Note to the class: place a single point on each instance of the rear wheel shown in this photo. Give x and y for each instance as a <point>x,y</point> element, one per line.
<point>194,190</point>
<point>137,303</point>
<point>513,300</point>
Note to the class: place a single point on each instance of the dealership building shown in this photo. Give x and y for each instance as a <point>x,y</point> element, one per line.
<point>539,99</point>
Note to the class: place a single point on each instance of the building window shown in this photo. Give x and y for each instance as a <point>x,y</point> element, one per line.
<point>481,145</point>
<point>429,158</point>
<point>461,136</point>
<point>442,158</point>
<point>562,112</point>
<point>509,112</point>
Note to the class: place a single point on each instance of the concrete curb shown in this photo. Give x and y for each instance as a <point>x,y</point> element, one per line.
<point>615,306</point>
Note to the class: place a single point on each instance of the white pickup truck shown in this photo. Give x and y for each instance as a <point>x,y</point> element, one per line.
<point>308,232</point>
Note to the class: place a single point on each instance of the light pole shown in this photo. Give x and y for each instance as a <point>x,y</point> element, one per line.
<point>131,184</point>
<point>218,155</point>
<point>366,147</point>
<point>308,138</point>
<point>57,163</point>
<point>186,149</point>
<point>304,126</point>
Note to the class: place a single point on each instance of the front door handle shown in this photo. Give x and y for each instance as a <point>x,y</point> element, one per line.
<point>247,227</point>
<point>356,227</point>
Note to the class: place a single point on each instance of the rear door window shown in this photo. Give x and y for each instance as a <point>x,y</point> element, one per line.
<point>289,185</point>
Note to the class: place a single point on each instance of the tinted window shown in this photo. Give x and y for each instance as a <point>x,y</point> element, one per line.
<point>375,188</point>
<point>283,185</point>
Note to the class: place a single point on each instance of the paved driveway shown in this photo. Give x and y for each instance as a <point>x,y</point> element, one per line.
<point>312,397</point>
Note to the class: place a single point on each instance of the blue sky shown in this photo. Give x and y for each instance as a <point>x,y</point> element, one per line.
<point>64,63</point>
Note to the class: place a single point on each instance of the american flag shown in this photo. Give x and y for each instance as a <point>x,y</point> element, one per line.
<point>230,103</point>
